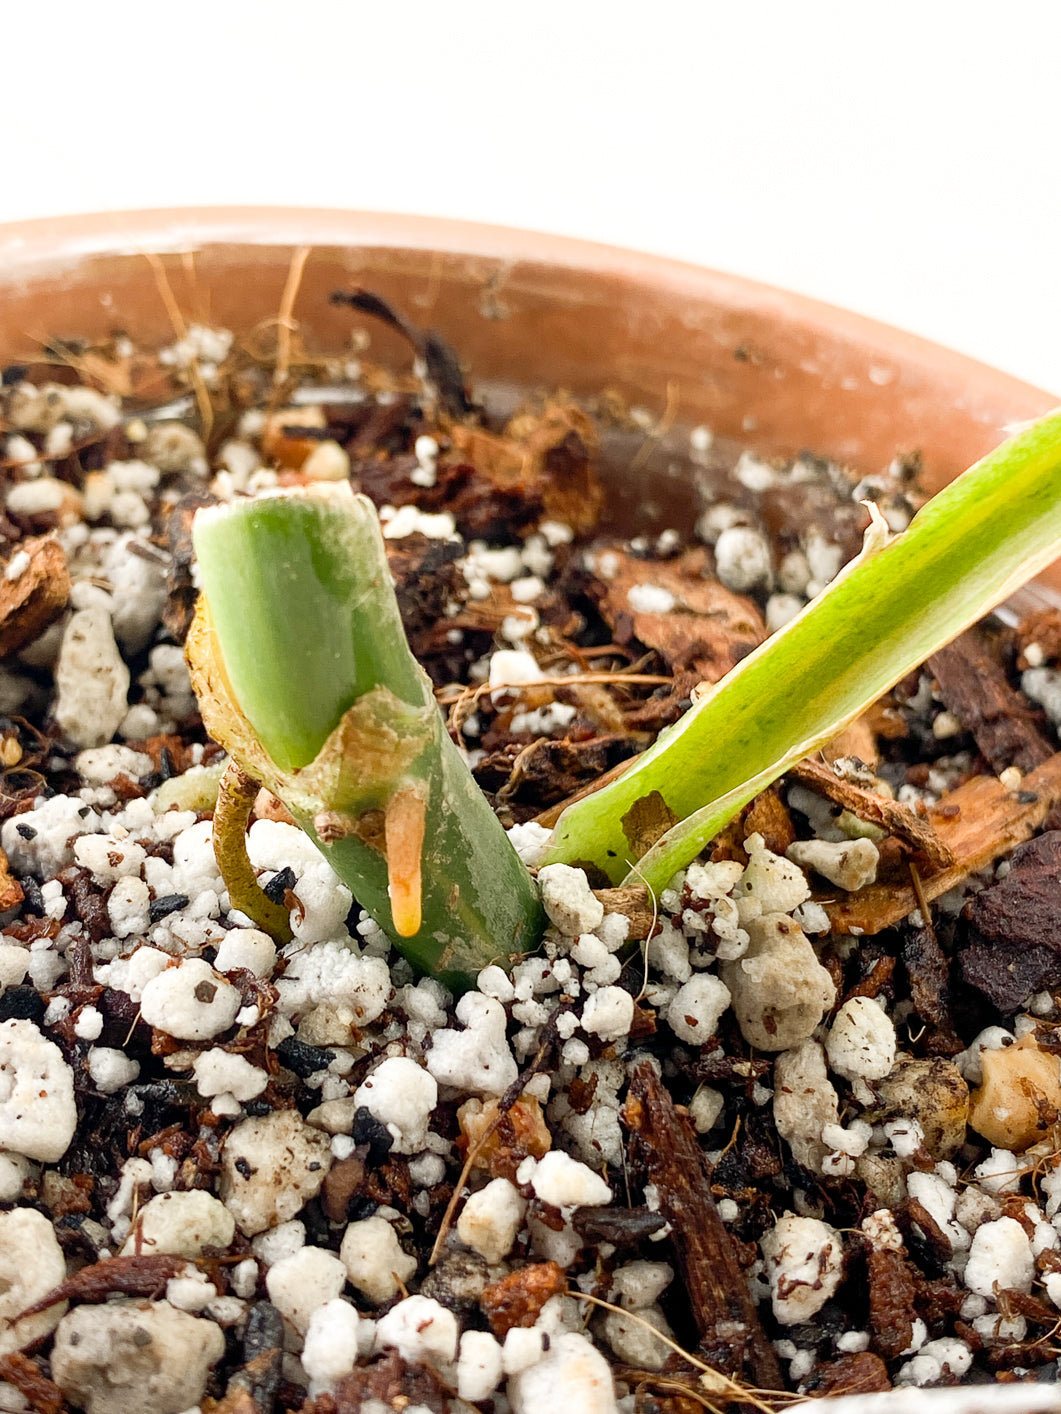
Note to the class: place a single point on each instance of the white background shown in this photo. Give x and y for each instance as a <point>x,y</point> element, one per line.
<point>898,158</point>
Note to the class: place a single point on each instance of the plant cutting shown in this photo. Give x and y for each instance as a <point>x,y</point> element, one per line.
<point>303,674</point>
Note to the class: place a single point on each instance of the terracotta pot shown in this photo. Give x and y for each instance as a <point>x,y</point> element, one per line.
<point>778,372</point>
<point>770,369</point>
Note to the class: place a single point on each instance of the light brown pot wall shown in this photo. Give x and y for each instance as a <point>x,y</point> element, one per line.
<point>781,372</point>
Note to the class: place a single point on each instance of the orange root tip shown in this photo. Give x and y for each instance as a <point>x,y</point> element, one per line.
<point>404,821</point>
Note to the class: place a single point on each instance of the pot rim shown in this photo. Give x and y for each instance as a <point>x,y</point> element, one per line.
<point>49,245</point>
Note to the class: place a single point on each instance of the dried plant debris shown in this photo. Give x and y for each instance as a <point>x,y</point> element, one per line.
<point>791,1126</point>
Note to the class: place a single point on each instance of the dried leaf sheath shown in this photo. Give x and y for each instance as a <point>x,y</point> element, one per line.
<point>303,673</point>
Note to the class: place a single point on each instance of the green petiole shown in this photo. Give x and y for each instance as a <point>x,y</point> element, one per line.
<point>904,597</point>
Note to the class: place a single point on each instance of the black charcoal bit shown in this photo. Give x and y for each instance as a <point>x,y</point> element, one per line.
<point>277,887</point>
<point>263,1353</point>
<point>169,903</point>
<point>32,898</point>
<point>457,1282</point>
<point>22,1004</point>
<point>373,1134</point>
<point>264,1330</point>
<point>302,1059</point>
<point>318,1229</point>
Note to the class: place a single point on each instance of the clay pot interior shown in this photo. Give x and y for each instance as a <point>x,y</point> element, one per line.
<point>759,367</point>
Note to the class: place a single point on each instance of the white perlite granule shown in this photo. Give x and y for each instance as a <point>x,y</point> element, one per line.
<point>181,1223</point>
<point>697,1007</point>
<point>650,599</point>
<point>861,1041</point>
<point>742,559</point>
<point>420,1330</point>
<point>38,1116</point>
<point>477,1059</point>
<point>572,1375</point>
<point>565,1183</point>
<point>159,1361</point>
<point>1000,1258</point>
<point>401,1095</point>
<point>330,1349</point>
<point>271,1167</point>
<point>804,1262</point>
<point>92,680</point>
<point>568,900</point>
<point>191,1001</point>
<point>375,1262</point>
<point>300,1284</point>
<point>31,1264</point>
<point>491,1219</point>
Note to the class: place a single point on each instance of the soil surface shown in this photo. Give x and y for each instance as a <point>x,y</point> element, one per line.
<point>790,1127</point>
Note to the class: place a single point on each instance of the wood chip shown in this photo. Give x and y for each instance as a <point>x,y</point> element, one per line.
<point>768,816</point>
<point>548,818</point>
<point>1014,944</point>
<point>43,1394</point>
<point>503,1137</point>
<point>389,1382</point>
<point>546,459</point>
<point>1042,628</point>
<point>622,1227</point>
<point>875,809</point>
<point>928,971</point>
<point>973,685</point>
<point>861,1373</point>
<point>979,822</point>
<point>517,1299</point>
<point>633,902</point>
<point>11,894</point>
<point>35,596</point>
<point>237,1400</point>
<point>708,629</point>
<point>181,591</point>
<point>892,1294</point>
<point>723,1311</point>
<point>127,1276</point>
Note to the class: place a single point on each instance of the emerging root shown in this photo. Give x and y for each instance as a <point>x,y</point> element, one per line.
<point>236,794</point>
<point>403,822</point>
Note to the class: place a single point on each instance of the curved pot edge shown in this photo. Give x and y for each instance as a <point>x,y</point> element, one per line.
<point>50,244</point>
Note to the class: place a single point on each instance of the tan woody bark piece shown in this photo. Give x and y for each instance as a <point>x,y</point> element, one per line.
<point>979,822</point>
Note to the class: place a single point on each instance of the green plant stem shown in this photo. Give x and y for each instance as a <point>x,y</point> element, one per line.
<point>976,542</point>
<point>303,673</point>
